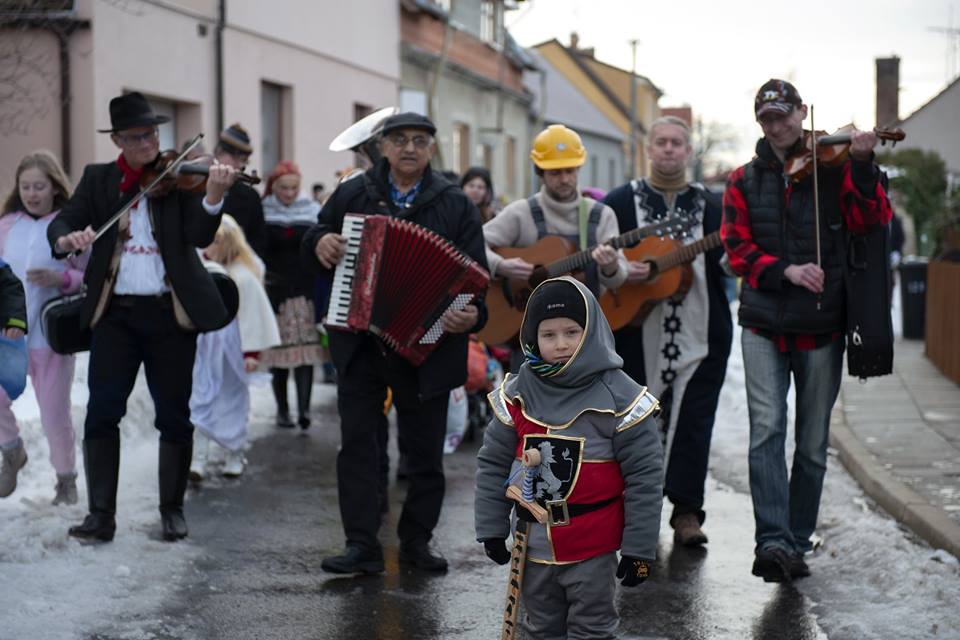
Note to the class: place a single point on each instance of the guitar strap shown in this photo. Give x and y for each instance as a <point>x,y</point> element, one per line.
<point>593,221</point>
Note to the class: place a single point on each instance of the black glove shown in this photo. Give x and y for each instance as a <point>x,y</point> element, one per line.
<point>633,571</point>
<point>496,550</point>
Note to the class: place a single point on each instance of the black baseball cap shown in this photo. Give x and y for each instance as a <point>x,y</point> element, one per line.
<point>776,96</point>
<point>408,120</point>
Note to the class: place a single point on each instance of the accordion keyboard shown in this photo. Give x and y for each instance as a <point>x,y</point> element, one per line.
<point>342,289</point>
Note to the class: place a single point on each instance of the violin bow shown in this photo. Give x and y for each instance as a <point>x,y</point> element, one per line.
<point>113,219</point>
<point>816,194</point>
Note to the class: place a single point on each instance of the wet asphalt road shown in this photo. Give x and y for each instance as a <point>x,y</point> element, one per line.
<point>263,538</point>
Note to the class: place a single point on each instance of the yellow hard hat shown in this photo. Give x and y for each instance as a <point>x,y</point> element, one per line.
<point>558,147</point>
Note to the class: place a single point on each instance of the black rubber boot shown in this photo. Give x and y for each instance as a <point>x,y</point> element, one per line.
<point>174,471</point>
<point>303,377</point>
<point>101,464</point>
<point>279,383</point>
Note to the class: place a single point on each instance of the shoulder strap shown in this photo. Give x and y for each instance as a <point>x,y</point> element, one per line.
<point>536,211</point>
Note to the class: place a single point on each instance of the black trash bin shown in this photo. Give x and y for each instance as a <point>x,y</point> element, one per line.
<point>913,296</point>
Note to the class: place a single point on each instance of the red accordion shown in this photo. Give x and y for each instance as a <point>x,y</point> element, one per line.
<point>396,281</point>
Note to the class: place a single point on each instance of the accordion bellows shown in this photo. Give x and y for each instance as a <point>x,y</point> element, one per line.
<point>396,281</point>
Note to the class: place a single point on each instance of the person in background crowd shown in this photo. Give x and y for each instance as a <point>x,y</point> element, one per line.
<point>319,192</point>
<point>681,350</point>
<point>41,190</point>
<point>478,185</point>
<point>400,184</point>
<point>289,213</point>
<point>242,202</point>
<point>792,312</point>
<point>147,297</point>
<point>219,406</point>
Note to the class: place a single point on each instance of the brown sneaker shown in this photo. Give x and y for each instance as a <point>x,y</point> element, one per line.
<point>687,531</point>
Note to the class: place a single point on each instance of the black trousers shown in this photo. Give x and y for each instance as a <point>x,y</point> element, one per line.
<point>135,330</point>
<point>422,426</point>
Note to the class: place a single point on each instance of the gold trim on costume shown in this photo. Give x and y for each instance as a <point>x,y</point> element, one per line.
<point>498,404</point>
<point>646,406</point>
<point>626,411</point>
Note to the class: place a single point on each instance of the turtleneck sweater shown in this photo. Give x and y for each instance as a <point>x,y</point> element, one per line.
<point>667,182</point>
<point>514,227</point>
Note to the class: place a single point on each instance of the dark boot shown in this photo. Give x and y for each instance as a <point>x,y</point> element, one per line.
<point>101,463</point>
<point>303,377</point>
<point>279,383</point>
<point>174,471</point>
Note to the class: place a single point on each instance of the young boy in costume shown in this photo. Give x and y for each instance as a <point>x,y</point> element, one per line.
<point>600,477</point>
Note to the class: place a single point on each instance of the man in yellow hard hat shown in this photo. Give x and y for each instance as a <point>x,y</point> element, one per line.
<point>557,209</point>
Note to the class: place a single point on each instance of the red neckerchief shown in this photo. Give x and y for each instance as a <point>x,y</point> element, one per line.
<point>131,176</point>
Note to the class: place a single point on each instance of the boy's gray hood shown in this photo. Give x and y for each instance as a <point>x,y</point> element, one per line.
<point>592,380</point>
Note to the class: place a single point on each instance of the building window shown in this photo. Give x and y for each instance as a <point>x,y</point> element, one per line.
<point>275,133</point>
<point>461,147</point>
<point>594,172</point>
<point>413,100</point>
<point>360,111</point>
<point>510,150</point>
<point>612,170</point>
<point>486,152</point>
<point>491,17</point>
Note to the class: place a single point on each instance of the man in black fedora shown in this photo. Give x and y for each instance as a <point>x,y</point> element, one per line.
<point>242,201</point>
<point>147,297</point>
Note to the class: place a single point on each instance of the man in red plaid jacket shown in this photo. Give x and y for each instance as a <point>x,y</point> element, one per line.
<point>792,312</point>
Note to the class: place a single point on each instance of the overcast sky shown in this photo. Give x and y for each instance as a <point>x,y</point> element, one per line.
<point>715,55</point>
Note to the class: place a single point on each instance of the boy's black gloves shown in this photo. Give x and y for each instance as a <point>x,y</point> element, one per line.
<point>496,549</point>
<point>633,571</point>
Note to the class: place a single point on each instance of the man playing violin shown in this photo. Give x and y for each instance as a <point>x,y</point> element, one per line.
<point>680,351</point>
<point>792,311</point>
<point>147,296</point>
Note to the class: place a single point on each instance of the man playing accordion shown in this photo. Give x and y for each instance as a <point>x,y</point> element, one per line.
<point>402,185</point>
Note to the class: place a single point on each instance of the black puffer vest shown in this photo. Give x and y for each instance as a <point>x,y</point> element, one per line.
<point>786,230</point>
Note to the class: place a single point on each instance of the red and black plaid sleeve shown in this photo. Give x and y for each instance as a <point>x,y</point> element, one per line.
<point>761,270</point>
<point>860,210</point>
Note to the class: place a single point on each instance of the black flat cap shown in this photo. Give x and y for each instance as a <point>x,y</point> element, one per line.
<point>408,120</point>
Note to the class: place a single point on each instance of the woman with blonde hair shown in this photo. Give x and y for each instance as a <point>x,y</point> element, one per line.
<point>220,401</point>
<point>42,188</point>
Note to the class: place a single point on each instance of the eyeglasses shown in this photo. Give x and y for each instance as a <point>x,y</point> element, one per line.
<point>400,141</point>
<point>130,139</point>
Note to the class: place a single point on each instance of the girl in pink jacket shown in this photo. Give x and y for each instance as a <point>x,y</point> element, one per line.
<point>41,189</point>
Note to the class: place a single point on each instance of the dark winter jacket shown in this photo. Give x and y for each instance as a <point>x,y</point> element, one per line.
<point>243,203</point>
<point>769,225</point>
<point>441,207</point>
<point>13,302</point>
<point>181,225</point>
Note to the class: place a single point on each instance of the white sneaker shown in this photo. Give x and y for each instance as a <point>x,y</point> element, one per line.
<point>198,463</point>
<point>234,465</point>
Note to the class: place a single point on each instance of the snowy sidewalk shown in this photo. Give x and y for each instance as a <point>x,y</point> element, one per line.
<point>899,436</point>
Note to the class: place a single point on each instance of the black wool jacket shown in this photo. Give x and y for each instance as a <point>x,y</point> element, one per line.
<point>181,226</point>
<point>441,207</point>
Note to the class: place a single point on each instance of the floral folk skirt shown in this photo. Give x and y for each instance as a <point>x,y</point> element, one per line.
<point>300,340</point>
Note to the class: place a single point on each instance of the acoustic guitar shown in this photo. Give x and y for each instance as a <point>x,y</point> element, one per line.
<point>553,256</point>
<point>671,275</point>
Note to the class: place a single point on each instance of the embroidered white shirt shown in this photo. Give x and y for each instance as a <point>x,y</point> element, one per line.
<point>141,266</point>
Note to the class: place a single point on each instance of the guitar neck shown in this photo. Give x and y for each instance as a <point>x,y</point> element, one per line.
<point>580,259</point>
<point>688,252</point>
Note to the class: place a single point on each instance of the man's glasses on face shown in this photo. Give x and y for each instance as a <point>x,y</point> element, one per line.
<point>131,139</point>
<point>400,141</point>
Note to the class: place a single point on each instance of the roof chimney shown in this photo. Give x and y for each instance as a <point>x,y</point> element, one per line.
<point>574,40</point>
<point>888,91</point>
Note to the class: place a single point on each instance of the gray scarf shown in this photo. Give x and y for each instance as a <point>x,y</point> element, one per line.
<point>592,380</point>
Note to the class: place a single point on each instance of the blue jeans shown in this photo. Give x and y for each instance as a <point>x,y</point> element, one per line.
<point>786,512</point>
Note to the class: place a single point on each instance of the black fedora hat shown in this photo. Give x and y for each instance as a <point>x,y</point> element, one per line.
<point>130,111</point>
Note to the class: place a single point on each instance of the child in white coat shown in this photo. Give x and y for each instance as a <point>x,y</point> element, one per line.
<point>220,403</point>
